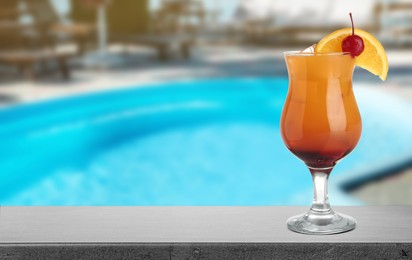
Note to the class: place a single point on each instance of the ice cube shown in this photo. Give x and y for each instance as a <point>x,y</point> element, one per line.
<point>310,49</point>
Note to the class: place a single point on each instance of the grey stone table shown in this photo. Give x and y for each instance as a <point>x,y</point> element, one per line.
<point>196,233</point>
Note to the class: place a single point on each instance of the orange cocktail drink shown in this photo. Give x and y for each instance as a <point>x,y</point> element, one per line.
<point>320,122</point>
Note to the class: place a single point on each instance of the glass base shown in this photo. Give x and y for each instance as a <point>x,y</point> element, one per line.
<point>321,223</point>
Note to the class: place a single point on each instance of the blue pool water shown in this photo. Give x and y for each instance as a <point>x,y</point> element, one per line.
<point>210,142</point>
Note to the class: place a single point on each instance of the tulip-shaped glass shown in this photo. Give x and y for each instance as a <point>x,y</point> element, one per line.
<point>320,125</point>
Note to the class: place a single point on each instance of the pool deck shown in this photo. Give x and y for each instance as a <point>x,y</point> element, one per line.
<point>197,233</point>
<point>142,67</point>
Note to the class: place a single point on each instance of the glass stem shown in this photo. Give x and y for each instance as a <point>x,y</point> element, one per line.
<point>320,182</point>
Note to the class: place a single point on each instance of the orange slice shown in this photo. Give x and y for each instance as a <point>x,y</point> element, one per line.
<point>373,58</point>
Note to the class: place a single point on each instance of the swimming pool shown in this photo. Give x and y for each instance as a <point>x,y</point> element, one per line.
<point>211,142</point>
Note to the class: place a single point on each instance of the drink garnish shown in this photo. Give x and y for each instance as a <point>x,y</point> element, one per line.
<point>353,43</point>
<point>373,57</point>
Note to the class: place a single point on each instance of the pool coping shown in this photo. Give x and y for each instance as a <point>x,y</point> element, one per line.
<point>196,233</point>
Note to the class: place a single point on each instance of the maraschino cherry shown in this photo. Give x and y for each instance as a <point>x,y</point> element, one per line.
<point>353,43</point>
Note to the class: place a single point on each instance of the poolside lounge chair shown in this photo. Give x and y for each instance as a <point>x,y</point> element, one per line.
<point>45,16</point>
<point>26,45</point>
<point>16,51</point>
<point>26,61</point>
<point>131,23</point>
<point>164,45</point>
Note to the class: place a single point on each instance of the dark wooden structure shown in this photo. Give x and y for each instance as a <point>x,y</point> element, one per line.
<point>167,29</point>
<point>47,19</point>
<point>25,45</point>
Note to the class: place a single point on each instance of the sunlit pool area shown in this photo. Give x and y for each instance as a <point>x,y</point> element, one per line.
<point>211,142</point>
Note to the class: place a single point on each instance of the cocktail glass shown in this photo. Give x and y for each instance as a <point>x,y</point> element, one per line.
<point>320,125</point>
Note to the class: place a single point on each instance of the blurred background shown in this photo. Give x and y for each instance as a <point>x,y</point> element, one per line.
<point>62,59</point>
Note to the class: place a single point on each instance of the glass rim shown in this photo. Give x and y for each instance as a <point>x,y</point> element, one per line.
<point>303,53</point>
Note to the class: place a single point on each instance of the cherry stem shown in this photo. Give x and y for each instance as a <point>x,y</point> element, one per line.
<point>353,28</point>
